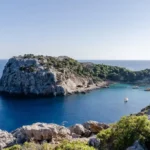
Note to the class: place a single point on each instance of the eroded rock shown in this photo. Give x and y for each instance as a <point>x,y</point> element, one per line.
<point>6,139</point>
<point>40,132</point>
<point>43,76</point>
<point>78,129</point>
<point>95,126</point>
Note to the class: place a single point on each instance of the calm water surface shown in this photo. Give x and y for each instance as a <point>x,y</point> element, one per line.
<point>104,105</point>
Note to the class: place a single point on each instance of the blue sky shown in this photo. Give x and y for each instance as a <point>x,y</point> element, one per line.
<point>82,29</point>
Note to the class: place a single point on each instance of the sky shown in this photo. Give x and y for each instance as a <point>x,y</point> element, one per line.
<point>81,29</point>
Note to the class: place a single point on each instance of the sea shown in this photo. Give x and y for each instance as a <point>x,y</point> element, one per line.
<point>103,105</point>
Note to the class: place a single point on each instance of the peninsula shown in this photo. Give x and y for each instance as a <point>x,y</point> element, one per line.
<point>46,75</point>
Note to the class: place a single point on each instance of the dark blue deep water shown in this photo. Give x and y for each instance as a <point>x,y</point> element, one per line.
<point>104,105</point>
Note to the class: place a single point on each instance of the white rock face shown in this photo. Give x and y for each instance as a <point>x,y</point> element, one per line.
<point>77,129</point>
<point>28,76</point>
<point>52,133</point>
<point>6,139</point>
<point>40,132</point>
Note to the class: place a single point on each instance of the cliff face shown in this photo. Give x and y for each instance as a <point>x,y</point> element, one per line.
<point>42,76</point>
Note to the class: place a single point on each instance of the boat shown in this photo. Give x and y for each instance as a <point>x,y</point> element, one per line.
<point>126,99</point>
<point>135,87</point>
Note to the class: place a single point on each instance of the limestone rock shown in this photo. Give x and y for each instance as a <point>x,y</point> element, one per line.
<point>38,75</point>
<point>53,133</point>
<point>40,132</point>
<point>77,129</point>
<point>6,139</point>
<point>95,126</point>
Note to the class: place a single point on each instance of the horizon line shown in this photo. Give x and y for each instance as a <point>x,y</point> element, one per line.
<point>98,59</point>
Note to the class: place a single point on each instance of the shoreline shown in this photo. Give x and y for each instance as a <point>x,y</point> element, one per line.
<point>82,90</point>
<point>99,85</point>
<point>78,90</point>
<point>51,133</point>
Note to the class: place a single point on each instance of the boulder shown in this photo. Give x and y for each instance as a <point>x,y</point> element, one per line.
<point>6,139</point>
<point>77,129</point>
<point>93,141</point>
<point>95,126</point>
<point>41,132</point>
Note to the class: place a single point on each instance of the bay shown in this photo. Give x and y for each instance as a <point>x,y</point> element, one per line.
<point>103,105</point>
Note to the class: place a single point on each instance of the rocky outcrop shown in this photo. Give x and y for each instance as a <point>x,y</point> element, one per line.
<point>39,75</point>
<point>95,142</point>
<point>52,133</point>
<point>95,126</point>
<point>41,132</point>
<point>78,129</point>
<point>6,139</point>
<point>88,128</point>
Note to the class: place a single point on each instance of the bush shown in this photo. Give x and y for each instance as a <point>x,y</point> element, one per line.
<point>76,145</point>
<point>66,145</point>
<point>125,132</point>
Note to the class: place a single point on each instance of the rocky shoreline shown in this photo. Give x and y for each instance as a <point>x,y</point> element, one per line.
<point>51,133</point>
<point>78,90</point>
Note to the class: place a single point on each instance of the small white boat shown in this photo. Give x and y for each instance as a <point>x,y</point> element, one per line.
<point>126,99</point>
<point>135,87</point>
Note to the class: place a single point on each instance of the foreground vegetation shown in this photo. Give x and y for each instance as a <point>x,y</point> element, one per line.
<point>119,136</point>
<point>96,71</point>
<point>125,132</point>
<point>77,145</point>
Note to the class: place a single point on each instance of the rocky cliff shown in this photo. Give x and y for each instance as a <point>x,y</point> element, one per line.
<point>44,75</point>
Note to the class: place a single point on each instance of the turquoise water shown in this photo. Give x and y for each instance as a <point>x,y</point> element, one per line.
<point>103,105</point>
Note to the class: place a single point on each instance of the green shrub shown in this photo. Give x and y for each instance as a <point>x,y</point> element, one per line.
<point>95,71</point>
<point>125,132</point>
<point>76,145</point>
<point>46,146</point>
<point>66,145</point>
<point>27,69</point>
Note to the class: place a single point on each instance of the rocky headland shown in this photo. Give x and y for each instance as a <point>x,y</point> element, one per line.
<point>46,75</point>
